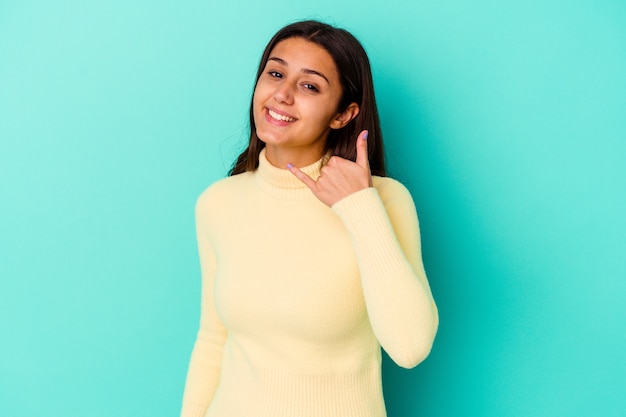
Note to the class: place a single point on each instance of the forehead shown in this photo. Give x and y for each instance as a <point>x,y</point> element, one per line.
<point>301,54</point>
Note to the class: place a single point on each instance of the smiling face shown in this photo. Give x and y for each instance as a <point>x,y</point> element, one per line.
<point>295,102</point>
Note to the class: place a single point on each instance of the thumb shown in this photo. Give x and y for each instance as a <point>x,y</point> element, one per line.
<point>362,158</point>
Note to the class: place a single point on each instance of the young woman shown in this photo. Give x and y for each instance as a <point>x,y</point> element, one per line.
<point>309,263</point>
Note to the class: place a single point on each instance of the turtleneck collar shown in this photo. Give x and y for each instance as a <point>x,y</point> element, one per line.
<point>283,184</point>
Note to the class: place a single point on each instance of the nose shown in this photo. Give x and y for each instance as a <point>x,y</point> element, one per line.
<point>284,93</point>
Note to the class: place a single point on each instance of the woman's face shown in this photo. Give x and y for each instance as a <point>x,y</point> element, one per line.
<point>295,102</point>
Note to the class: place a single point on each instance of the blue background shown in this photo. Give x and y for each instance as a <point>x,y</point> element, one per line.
<point>505,119</point>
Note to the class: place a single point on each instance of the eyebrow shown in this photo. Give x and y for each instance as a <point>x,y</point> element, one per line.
<point>304,70</point>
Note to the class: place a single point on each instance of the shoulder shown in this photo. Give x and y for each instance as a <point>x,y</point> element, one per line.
<point>392,191</point>
<point>397,201</point>
<point>222,190</point>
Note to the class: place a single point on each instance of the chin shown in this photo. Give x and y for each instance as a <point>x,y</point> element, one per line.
<point>269,138</point>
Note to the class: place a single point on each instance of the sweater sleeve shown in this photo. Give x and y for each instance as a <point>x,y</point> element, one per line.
<point>384,230</point>
<point>204,366</point>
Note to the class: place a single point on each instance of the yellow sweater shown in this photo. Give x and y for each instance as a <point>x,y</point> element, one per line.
<point>297,297</point>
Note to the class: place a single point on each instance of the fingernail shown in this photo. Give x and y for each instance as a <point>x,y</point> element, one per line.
<point>289,166</point>
<point>366,134</point>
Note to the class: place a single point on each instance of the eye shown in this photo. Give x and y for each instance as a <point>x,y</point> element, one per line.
<point>275,74</point>
<point>311,87</point>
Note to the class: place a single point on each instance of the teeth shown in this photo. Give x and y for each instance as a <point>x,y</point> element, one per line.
<point>280,116</point>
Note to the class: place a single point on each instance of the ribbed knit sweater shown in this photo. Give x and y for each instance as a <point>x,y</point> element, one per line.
<point>298,298</point>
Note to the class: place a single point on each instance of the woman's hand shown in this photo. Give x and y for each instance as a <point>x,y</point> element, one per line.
<point>340,177</point>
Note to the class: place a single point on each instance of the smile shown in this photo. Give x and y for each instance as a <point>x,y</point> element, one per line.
<point>280,117</point>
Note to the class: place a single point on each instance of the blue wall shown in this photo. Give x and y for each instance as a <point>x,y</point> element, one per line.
<point>506,120</point>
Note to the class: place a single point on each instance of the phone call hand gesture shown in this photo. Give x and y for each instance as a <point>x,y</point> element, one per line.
<point>340,177</point>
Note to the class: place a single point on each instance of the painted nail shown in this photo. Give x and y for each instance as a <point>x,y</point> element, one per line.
<point>366,134</point>
<point>289,166</point>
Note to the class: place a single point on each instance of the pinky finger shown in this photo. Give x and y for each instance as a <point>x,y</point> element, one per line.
<point>308,181</point>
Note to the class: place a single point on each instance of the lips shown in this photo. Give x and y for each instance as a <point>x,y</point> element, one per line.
<point>278,116</point>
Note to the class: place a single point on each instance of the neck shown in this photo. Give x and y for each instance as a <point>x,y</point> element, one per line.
<point>297,156</point>
<point>283,184</point>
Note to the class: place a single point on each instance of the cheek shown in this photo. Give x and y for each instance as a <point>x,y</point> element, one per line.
<point>325,114</point>
<point>255,97</point>
<point>261,92</point>
<point>257,104</point>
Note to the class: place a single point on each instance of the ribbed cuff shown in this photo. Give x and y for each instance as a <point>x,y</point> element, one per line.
<point>193,410</point>
<point>366,220</point>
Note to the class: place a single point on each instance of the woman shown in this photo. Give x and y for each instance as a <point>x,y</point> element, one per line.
<point>309,263</point>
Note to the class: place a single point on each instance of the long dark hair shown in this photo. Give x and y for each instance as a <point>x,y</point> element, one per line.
<point>355,76</point>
